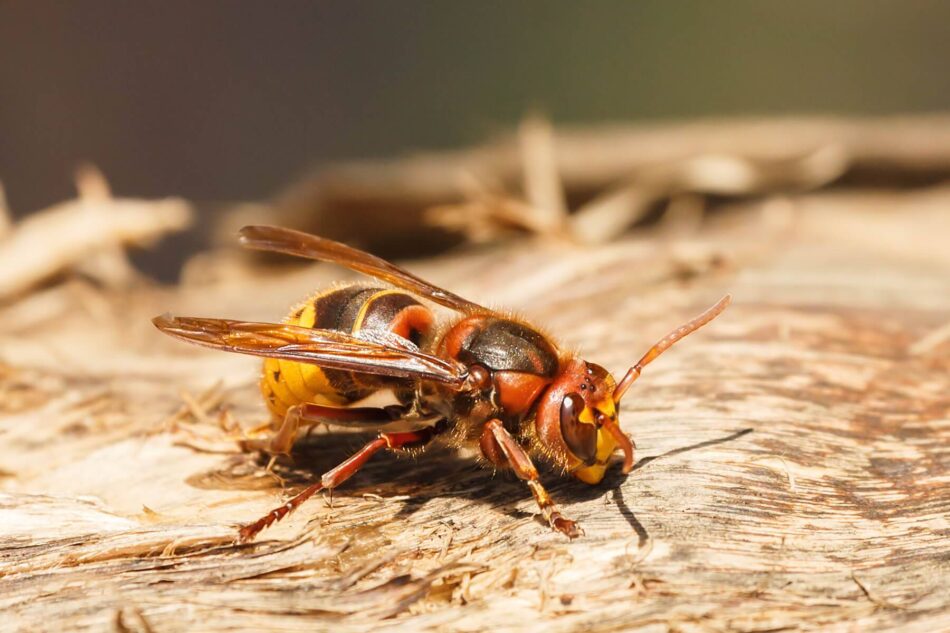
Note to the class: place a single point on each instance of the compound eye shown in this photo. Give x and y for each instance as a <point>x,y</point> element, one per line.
<point>580,438</point>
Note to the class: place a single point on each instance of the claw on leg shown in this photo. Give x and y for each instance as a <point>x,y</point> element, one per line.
<point>555,519</point>
<point>248,532</point>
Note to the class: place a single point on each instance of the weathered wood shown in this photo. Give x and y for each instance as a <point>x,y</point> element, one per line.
<point>792,473</point>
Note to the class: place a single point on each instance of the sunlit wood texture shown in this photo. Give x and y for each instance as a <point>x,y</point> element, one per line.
<point>793,464</point>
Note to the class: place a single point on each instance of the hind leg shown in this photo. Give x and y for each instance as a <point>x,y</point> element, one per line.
<point>309,414</point>
<point>336,476</point>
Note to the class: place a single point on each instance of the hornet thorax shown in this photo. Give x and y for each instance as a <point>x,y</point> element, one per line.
<point>510,362</point>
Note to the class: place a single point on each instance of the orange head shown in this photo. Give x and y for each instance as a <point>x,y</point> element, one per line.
<point>576,421</point>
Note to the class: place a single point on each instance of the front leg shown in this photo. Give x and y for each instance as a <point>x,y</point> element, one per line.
<point>495,436</point>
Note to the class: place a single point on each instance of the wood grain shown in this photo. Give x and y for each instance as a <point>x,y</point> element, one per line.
<point>793,458</point>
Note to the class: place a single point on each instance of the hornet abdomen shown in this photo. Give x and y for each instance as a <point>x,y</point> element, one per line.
<point>351,309</point>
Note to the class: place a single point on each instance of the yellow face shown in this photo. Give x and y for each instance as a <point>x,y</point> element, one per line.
<point>577,422</point>
<point>606,444</point>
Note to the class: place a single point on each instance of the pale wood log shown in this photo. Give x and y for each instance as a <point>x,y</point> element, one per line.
<point>793,463</point>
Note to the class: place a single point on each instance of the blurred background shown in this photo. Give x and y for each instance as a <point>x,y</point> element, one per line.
<point>228,103</point>
<point>222,101</point>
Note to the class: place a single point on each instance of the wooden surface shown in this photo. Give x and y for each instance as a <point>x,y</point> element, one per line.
<point>792,470</point>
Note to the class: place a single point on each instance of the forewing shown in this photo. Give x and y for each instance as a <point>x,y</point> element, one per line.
<point>281,240</point>
<point>326,348</point>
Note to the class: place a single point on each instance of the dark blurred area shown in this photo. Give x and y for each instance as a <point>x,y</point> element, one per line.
<point>229,101</point>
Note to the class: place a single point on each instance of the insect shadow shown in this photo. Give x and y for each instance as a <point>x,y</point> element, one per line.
<point>416,480</point>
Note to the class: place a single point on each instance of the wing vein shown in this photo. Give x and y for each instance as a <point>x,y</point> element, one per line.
<point>290,242</point>
<point>326,348</point>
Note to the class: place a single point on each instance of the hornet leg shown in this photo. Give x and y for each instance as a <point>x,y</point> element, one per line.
<point>309,414</point>
<point>333,478</point>
<point>519,461</point>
